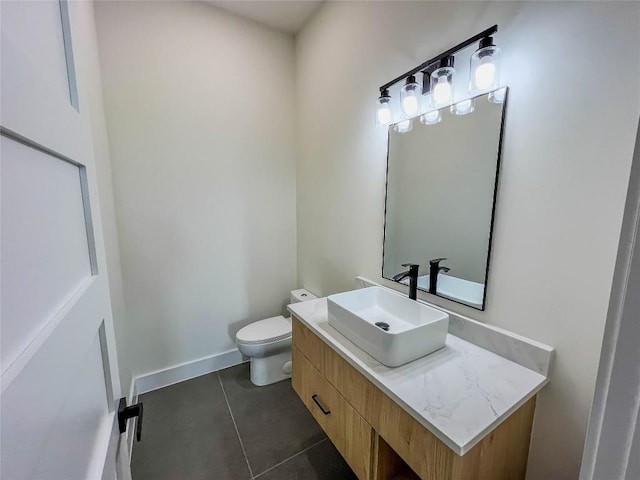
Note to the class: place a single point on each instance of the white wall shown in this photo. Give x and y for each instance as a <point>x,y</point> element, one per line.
<point>566,161</point>
<point>199,109</point>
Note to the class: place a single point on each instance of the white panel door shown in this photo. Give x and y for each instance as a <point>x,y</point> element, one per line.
<point>60,383</point>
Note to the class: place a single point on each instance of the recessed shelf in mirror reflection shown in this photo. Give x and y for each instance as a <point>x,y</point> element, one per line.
<point>440,200</point>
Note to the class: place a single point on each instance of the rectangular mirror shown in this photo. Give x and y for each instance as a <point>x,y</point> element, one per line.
<point>441,186</point>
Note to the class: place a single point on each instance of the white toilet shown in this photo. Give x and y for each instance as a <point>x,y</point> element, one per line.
<point>268,343</point>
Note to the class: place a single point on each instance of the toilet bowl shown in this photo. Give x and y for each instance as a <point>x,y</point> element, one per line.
<point>268,344</point>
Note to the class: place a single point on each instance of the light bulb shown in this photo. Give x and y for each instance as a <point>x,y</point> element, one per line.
<point>484,71</point>
<point>485,74</point>
<point>404,126</point>
<point>431,118</point>
<point>384,115</point>
<point>409,97</point>
<point>383,109</point>
<point>464,107</point>
<point>442,83</point>
<point>442,91</point>
<point>498,96</point>
<point>410,104</point>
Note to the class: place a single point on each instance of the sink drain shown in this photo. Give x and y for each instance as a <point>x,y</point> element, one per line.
<point>383,325</point>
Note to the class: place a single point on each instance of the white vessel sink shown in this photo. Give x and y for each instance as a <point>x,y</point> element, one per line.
<point>388,326</point>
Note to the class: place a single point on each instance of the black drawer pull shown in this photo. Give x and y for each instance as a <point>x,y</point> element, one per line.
<point>315,399</point>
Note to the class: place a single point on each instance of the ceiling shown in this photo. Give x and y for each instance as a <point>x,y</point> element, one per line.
<point>285,15</point>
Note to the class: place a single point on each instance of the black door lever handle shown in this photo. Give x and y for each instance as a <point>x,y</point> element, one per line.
<point>125,413</point>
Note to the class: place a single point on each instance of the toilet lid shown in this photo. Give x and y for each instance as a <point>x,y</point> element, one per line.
<point>265,331</point>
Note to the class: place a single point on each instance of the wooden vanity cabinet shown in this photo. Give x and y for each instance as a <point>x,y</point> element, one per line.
<point>380,440</point>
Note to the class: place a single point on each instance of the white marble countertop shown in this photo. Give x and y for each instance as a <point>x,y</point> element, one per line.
<point>460,393</point>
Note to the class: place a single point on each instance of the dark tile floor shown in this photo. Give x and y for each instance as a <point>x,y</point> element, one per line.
<point>220,426</point>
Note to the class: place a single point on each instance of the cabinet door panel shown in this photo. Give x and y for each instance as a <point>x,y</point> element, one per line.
<point>348,431</point>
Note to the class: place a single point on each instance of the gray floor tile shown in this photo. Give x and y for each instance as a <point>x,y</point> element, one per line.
<point>188,434</point>
<point>321,462</point>
<point>272,421</point>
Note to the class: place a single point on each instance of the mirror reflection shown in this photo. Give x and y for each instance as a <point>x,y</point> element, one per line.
<point>441,182</point>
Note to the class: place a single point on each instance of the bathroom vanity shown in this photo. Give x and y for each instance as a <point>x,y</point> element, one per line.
<point>462,412</point>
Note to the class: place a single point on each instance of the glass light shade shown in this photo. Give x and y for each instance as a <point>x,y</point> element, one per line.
<point>426,102</point>
<point>383,111</point>
<point>403,126</point>
<point>432,117</point>
<point>464,106</point>
<point>442,86</point>
<point>484,72</point>
<point>498,96</point>
<point>410,98</point>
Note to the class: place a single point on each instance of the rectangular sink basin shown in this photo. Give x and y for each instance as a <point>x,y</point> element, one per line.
<point>388,326</point>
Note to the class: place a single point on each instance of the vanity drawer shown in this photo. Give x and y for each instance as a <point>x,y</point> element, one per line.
<point>351,384</point>
<point>308,342</point>
<point>346,429</point>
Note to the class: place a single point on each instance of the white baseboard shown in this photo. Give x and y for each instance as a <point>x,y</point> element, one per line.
<point>186,371</point>
<point>172,375</point>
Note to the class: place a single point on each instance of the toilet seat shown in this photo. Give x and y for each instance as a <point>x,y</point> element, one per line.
<point>265,331</point>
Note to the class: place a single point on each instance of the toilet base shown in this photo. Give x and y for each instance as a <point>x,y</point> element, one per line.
<point>271,369</point>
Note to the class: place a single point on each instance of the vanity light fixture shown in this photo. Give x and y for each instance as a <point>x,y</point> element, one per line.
<point>442,82</point>
<point>437,88</point>
<point>484,71</point>
<point>497,96</point>
<point>383,110</point>
<point>410,97</point>
<point>463,107</point>
<point>431,118</point>
<point>404,126</point>
<point>427,102</point>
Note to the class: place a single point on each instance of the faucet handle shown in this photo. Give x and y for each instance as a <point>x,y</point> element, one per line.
<point>436,261</point>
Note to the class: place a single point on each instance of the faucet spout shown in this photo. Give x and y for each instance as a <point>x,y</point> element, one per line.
<point>434,270</point>
<point>400,276</point>
<point>412,273</point>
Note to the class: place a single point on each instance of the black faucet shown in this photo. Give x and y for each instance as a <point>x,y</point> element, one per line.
<point>434,270</point>
<point>412,273</point>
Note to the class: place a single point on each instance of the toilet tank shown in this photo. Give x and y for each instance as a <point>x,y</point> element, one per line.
<point>301,295</point>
